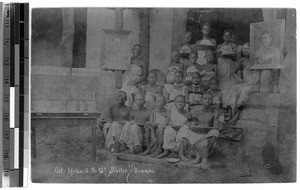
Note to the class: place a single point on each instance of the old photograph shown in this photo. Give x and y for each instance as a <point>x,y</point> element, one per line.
<point>163,95</point>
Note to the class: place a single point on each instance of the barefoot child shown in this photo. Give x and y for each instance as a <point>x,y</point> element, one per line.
<point>178,118</point>
<point>132,134</point>
<point>151,90</point>
<point>117,115</point>
<point>159,120</point>
<point>173,90</point>
<point>203,143</point>
<point>186,137</point>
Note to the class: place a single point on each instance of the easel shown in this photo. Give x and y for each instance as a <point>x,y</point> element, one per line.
<point>119,27</point>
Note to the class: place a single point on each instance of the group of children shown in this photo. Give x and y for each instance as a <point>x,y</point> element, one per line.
<point>164,119</point>
<point>183,116</point>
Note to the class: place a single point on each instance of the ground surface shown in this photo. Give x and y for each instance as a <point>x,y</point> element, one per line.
<point>63,158</point>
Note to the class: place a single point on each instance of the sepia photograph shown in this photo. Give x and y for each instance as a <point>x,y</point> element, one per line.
<point>163,95</point>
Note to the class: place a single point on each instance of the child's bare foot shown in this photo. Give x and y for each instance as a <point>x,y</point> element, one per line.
<point>146,152</point>
<point>153,149</point>
<point>197,160</point>
<point>204,164</point>
<point>137,149</point>
<point>182,157</point>
<point>164,154</point>
<point>123,147</point>
<point>157,152</point>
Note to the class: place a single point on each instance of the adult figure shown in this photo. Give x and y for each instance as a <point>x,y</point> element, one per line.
<point>225,65</point>
<point>239,94</point>
<point>205,43</point>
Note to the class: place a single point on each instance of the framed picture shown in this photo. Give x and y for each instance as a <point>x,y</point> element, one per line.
<point>116,49</point>
<point>266,44</point>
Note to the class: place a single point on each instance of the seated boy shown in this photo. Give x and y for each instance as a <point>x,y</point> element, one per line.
<point>151,90</point>
<point>178,118</point>
<point>132,133</point>
<point>209,69</point>
<point>192,67</point>
<point>195,92</point>
<point>117,115</point>
<point>175,65</point>
<point>159,120</point>
<point>175,89</point>
<point>186,137</point>
<point>216,92</point>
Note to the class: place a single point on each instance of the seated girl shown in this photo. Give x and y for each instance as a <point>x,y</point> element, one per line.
<point>192,67</point>
<point>132,133</point>
<point>159,119</point>
<point>175,65</point>
<point>151,90</point>
<point>175,89</point>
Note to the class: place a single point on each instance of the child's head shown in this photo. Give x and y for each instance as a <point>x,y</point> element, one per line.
<point>160,101</point>
<point>178,77</point>
<point>121,97</point>
<point>152,77</point>
<point>136,50</point>
<point>187,37</point>
<point>205,82</point>
<point>180,102</point>
<point>246,49</point>
<point>207,99</point>
<point>196,78</point>
<point>175,55</point>
<point>213,84</point>
<point>227,35</point>
<point>193,57</point>
<point>205,29</point>
<point>209,56</point>
<point>139,99</point>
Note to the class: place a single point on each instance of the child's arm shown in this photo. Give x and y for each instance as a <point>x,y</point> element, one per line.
<point>216,122</point>
<point>165,94</point>
<point>186,93</point>
<point>238,67</point>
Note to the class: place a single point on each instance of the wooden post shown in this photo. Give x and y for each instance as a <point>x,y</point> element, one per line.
<point>144,34</point>
<point>118,26</point>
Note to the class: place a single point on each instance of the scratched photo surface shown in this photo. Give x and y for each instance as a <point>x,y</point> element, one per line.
<point>163,95</point>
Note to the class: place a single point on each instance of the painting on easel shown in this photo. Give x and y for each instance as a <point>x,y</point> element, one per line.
<point>266,44</point>
<point>116,49</point>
